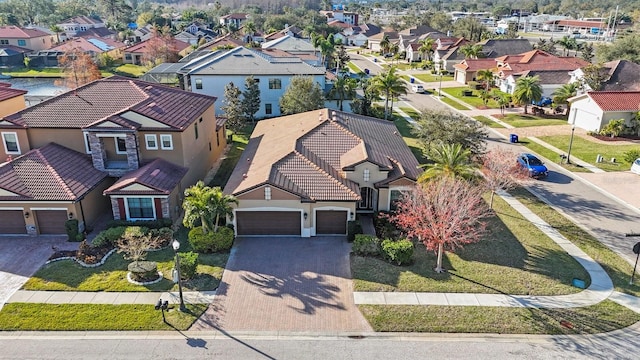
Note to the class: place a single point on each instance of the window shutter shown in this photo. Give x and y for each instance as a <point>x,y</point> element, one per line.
<point>158,204</point>
<point>121,209</point>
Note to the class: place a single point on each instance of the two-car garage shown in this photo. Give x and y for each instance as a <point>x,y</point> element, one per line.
<point>12,221</point>
<point>289,223</point>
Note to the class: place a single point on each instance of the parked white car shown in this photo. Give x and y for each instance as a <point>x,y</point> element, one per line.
<point>635,167</point>
<point>417,88</point>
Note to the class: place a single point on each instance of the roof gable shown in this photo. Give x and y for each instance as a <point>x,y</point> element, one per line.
<point>616,100</point>
<point>158,177</point>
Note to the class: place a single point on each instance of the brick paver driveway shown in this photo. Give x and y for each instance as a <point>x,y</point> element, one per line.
<point>21,256</point>
<point>286,284</point>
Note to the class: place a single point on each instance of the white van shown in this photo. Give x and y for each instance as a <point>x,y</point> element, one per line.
<point>417,88</point>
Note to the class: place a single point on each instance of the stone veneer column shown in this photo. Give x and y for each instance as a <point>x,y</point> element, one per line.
<point>115,209</point>
<point>98,153</point>
<point>133,153</point>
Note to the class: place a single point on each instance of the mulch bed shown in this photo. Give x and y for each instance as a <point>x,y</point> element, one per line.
<point>96,254</point>
<point>616,138</point>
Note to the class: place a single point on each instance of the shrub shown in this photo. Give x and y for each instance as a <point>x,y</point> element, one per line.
<point>353,227</point>
<point>135,231</point>
<point>151,224</point>
<point>87,253</point>
<point>80,237</point>
<point>631,155</point>
<point>211,241</point>
<point>143,270</point>
<point>108,237</point>
<point>399,252</point>
<point>71,227</point>
<point>385,229</point>
<point>613,128</point>
<point>164,236</point>
<point>188,264</point>
<point>366,245</point>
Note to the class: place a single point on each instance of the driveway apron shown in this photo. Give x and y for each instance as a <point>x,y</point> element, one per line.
<point>21,256</point>
<point>286,284</point>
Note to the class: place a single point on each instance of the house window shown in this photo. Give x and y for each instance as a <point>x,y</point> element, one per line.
<point>127,57</point>
<point>152,142</point>
<point>366,175</point>
<point>22,43</point>
<point>275,84</point>
<point>140,208</point>
<point>217,138</point>
<point>394,197</point>
<point>209,145</point>
<point>10,140</point>
<point>267,193</point>
<point>87,144</point>
<point>200,120</point>
<point>267,109</point>
<point>166,142</point>
<point>121,145</point>
<point>198,83</point>
<point>4,42</point>
<point>196,128</point>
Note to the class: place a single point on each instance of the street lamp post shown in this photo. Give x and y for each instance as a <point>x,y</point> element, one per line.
<point>573,128</point>
<point>176,245</point>
<point>440,87</point>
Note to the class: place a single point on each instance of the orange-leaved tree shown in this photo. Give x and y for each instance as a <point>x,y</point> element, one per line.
<point>501,171</point>
<point>78,69</point>
<point>444,214</point>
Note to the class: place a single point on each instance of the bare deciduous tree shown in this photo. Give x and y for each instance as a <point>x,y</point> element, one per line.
<point>501,171</point>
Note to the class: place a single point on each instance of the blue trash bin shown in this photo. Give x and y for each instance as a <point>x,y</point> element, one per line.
<point>513,138</point>
<point>366,71</point>
<point>412,80</point>
<point>375,60</point>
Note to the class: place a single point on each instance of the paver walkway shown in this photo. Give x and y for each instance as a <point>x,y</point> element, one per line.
<point>600,289</point>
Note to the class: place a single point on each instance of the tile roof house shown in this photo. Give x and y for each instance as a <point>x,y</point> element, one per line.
<point>78,24</point>
<point>11,55</point>
<point>595,109</point>
<point>44,187</point>
<point>357,35</point>
<point>493,48</point>
<point>11,100</point>
<point>373,42</point>
<point>290,30</point>
<point>301,48</point>
<point>619,75</point>
<point>136,53</point>
<point>308,174</point>
<point>32,39</point>
<point>122,125</point>
<point>209,75</point>
<point>92,46</point>
<point>235,19</point>
<point>467,69</point>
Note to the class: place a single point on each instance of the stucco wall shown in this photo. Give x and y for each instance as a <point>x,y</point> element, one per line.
<point>12,105</point>
<point>23,143</point>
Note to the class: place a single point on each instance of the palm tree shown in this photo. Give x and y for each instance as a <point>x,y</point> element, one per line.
<point>503,101</point>
<point>57,30</point>
<point>471,51</point>
<point>385,44</point>
<point>486,76</point>
<point>390,84</point>
<point>563,93</point>
<point>449,160</point>
<point>221,205</point>
<point>197,206</point>
<point>426,48</point>
<point>344,88</point>
<point>567,44</point>
<point>527,89</point>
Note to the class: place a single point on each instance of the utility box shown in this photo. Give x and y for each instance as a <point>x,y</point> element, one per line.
<point>513,138</point>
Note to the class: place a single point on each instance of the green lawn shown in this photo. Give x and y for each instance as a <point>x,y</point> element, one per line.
<point>67,275</point>
<point>81,317</point>
<point>131,70</point>
<point>552,156</point>
<point>603,317</point>
<point>404,128</point>
<point>456,105</point>
<point>522,120</point>
<point>24,72</point>
<point>618,269</point>
<point>428,77</point>
<point>411,112</point>
<point>488,122</point>
<point>473,100</point>
<point>587,150</point>
<point>240,140</point>
<point>515,257</point>
<point>353,67</point>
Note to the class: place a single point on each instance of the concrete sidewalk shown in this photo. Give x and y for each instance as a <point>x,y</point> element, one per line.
<point>113,298</point>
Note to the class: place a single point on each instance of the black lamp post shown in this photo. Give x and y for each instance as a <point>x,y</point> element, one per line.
<point>176,245</point>
<point>573,128</point>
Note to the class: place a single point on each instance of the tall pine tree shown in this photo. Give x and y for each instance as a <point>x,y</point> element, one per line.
<point>233,108</point>
<point>250,98</point>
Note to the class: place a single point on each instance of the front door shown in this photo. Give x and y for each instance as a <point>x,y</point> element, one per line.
<point>369,197</point>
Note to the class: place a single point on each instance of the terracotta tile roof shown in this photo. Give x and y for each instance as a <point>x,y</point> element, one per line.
<point>115,95</point>
<point>89,44</point>
<point>579,23</point>
<point>86,20</point>
<point>50,173</point>
<point>142,46</point>
<point>160,176</point>
<point>7,93</point>
<point>14,32</point>
<point>538,60</point>
<point>476,64</point>
<point>306,154</point>
<point>616,100</point>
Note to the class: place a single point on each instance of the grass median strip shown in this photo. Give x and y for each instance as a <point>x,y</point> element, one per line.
<point>94,317</point>
<point>514,258</point>
<point>552,156</point>
<point>587,150</point>
<point>488,122</point>
<point>603,317</point>
<point>528,120</point>
<point>456,105</point>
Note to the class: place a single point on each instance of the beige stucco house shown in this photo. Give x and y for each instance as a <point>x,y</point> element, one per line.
<point>150,140</point>
<point>308,174</point>
<point>595,109</point>
<point>11,100</point>
<point>29,38</point>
